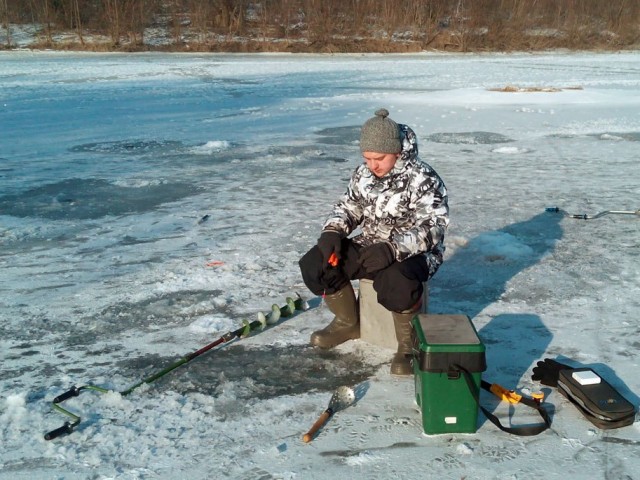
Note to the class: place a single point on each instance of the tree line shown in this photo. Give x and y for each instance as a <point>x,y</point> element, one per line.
<point>332,25</point>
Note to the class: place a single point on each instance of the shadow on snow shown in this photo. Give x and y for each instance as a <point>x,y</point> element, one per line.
<point>478,275</point>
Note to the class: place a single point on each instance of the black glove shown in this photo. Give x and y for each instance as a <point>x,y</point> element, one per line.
<point>328,243</point>
<point>547,372</point>
<point>376,257</point>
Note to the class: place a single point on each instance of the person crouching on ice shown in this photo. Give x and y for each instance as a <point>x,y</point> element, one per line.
<point>400,205</point>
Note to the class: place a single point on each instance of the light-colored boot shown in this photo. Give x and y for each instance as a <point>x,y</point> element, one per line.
<point>401,363</point>
<point>346,323</point>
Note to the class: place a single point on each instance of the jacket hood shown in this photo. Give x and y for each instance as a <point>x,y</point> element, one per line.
<point>409,152</point>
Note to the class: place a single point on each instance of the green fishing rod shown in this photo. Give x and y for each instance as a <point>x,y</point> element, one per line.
<point>292,305</point>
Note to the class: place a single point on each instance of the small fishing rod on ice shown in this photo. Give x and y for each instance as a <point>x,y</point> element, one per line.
<point>585,216</point>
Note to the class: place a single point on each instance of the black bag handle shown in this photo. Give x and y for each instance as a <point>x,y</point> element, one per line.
<point>525,430</point>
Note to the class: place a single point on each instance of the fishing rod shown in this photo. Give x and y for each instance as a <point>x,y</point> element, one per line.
<point>292,305</point>
<point>585,216</point>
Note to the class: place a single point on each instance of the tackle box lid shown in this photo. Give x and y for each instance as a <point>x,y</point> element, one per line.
<point>446,333</point>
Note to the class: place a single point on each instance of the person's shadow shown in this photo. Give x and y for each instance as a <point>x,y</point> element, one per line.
<point>477,275</point>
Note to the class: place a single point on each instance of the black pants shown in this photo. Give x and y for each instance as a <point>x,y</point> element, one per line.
<point>399,286</point>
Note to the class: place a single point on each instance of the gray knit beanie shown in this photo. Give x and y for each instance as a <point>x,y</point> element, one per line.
<point>380,134</point>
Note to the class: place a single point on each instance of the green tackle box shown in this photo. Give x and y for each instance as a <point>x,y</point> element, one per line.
<point>440,342</point>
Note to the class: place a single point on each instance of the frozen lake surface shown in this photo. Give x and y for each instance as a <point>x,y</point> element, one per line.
<point>149,203</point>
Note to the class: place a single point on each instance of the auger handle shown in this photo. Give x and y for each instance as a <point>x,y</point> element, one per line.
<point>307,437</point>
<point>63,430</point>
<point>74,392</point>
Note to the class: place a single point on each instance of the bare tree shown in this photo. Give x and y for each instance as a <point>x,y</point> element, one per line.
<point>201,15</point>
<point>112,12</point>
<point>126,18</point>
<point>231,15</point>
<point>6,22</point>
<point>287,17</point>
<point>44,14</point>
<point>138,17</point>
<point>77,21</point>
<point>345,24</point>
<point>319,19</point>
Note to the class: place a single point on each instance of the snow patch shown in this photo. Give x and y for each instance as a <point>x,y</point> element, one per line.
<point>510,150</point>
<point>113,399</point>
<point>14,408</point>
<point>211,147</point>
<point>609,136</point>
<point>464,449</point>
<point>501,246</point>
<point>363,458</point>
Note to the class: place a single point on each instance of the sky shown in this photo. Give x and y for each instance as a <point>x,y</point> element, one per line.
<point>151,203</point>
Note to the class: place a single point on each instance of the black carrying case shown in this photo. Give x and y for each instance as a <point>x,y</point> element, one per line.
<point>600,403</point>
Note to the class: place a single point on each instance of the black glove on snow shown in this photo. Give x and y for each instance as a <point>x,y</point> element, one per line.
<point>328,243</point>
<point>547,372</point>
<point>376,257</point>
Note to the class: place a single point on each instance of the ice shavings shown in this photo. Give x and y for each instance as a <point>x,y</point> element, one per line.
<point>211,147</point>
<point>496,245</point>
<point>212,323</point>
<point>139,182</point>
<point>14,408</point>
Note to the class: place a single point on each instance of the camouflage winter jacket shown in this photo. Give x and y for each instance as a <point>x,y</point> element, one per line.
<point>407,208</point>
